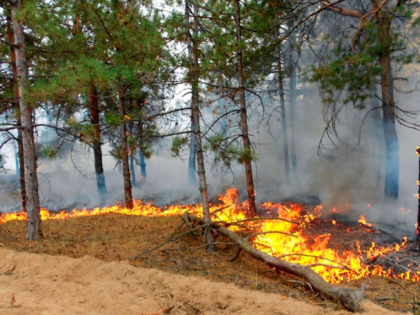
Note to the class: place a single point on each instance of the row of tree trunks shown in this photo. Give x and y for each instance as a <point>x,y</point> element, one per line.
<point>34,229</point>
<point>252,208</point>
<point>195,114</point>
<point>350,298</point>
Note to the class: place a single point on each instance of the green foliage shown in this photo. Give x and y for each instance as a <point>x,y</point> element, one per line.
<point>146,149</point>
<point>112,119</point>
<point>177,144</point>
<point>227,154</point>
<point>354,68</point>
<point>131,142</point>
<point>116,152</point>
<point>243,156</point>
<point>49,152</point>
<point>216,141</point>
<point>355,73</point>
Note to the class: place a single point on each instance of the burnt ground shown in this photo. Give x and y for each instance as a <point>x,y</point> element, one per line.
<point>114,237</point>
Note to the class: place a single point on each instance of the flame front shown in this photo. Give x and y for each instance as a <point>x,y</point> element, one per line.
<point>281,236</point>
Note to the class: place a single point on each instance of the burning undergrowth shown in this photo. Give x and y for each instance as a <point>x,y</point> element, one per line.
<point>294,234</point>
<point>339,250</point>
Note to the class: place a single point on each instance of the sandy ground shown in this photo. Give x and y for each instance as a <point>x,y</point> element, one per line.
<point>48,285</point>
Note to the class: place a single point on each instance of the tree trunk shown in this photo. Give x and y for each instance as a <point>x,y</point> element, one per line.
<point>390,132</point>
<point>252,210</point>
<point>376,134</point>
<point>142,165</point>
<point>418,204</point>
<point>191,160</point>
<point>195,114</point>
<point>283,120</point>
<point>142,159</point>
<point>128,199</point>
<point>34,228</point>
<point>132,169</point>
<point>292,108</point>
<point>96,143</point>
<point>21,169</point>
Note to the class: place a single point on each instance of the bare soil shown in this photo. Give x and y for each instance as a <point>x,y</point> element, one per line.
<point>194,280</point>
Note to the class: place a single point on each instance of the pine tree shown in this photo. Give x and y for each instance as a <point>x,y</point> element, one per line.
<point>34,229</point>
<point>195,113</point>
<point>357,67</point>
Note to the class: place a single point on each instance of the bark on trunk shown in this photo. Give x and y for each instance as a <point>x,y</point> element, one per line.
<point>223,111</point>
<point>21,167</point>
<point>142,165</point>
<point>128,199</point>
<point>350,298</point>
<point>292,108</point>
<point>418,204</point>
<point>15,87</point>
<point>142,159</point>
<point>132,169</point>
<point>34,229</point>
<point>252,210</point>
<point>390,132</point>
<point>377,141</point>
<point>96,144</point>
<point>195,115</point>
<point>283,120</point>
<point>191,160</point>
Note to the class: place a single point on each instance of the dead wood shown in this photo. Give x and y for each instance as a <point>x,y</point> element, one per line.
<point>350,298</point>
<point>172,239</point>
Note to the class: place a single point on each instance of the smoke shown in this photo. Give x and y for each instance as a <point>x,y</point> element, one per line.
<point>347,174</point>
<point>349,177</point>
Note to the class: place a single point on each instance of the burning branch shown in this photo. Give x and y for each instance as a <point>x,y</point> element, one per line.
<point>350,298</point>
<point>340,265</point>
<point>368,227</point>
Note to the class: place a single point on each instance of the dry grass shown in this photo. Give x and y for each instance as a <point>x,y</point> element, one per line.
<point>119,237</point>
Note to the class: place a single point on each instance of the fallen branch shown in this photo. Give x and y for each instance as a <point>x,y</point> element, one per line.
<point>259,219</point>
<point>172,239</point>
<point>320,257</point>
<point>350,298</point>
<point>271,232</point>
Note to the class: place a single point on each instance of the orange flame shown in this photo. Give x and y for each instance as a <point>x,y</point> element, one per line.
<point>281,237</point>
<point>363,221</point>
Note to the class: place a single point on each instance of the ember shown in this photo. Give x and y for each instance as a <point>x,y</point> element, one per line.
<point>281,236</point>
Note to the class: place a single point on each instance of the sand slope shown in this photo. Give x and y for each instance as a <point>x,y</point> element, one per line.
<point>43,284</point>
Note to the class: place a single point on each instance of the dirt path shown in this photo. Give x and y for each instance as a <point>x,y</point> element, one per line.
<point>49,285</point>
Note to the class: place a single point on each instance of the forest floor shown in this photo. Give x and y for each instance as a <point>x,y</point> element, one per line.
<point>194,281</point>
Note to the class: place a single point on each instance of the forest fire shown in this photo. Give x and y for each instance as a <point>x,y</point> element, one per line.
<point>281,235</point>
